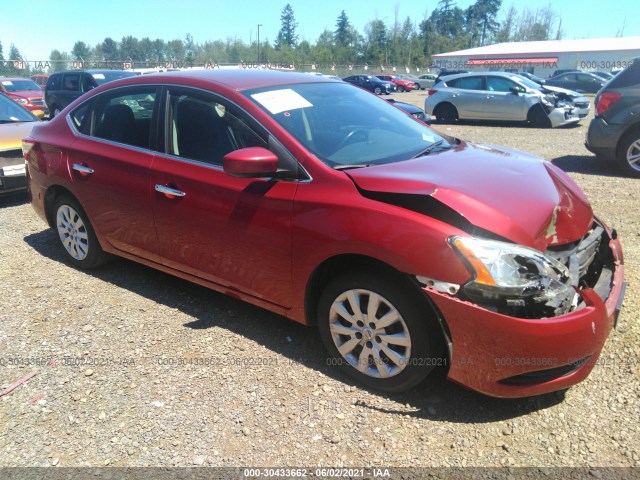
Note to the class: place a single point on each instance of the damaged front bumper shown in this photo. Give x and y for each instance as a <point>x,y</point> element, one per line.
<point>498,352</point>
<point>562,115</point>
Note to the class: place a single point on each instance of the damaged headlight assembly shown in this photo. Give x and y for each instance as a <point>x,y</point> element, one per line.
<point>514,279</point>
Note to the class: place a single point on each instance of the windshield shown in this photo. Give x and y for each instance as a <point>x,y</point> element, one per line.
<point>343,125</point>
<point>11,112</point>
<point>525,81</point>
<point>19,85</point>
<point>104,77</point>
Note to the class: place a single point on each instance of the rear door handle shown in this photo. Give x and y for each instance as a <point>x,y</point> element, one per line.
<point>169,192</point>
<point>82,169</point>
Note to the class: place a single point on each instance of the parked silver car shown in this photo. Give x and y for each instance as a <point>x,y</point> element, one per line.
<point>497,96</point>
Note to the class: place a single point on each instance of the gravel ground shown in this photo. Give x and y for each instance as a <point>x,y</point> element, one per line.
<point>137,368</point>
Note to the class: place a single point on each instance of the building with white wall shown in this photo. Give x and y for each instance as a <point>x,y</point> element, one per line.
<point>545,57</point>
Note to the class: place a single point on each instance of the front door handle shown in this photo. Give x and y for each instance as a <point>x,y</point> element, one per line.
<point>169,192</point>
<point>82,169</point>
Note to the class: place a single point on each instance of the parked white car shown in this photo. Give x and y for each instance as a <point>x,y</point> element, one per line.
<point>498,96</point>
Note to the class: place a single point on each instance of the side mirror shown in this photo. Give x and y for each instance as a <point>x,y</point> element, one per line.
<point>251,162</point>
<point>516,90</point>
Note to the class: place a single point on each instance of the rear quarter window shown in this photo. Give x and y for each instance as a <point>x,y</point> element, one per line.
<point>629,77</point>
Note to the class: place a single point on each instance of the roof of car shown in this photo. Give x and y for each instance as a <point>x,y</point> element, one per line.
<point>14,79</point>
<point>237,79</point>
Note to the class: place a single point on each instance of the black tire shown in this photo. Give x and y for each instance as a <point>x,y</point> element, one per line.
<point>377,90</point>
<point>418,86</point>
<point>415,323</point>
<point>628,148</point>
<point>76,234</point>
<point>446,113</point>
<point>538,118</point>
<point>400,88</point>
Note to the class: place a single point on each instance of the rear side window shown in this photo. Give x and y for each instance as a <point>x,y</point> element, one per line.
<point>467,83</point>
<point>629,77</point>
<point>124,116</point>
<point>71,82</point>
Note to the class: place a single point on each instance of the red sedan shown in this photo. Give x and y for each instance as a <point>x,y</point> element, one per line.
<point>319,201</point>
<point>401,84</point>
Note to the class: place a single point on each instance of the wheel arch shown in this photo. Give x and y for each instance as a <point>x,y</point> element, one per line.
<point>53,193</point>
<point>336,265</point>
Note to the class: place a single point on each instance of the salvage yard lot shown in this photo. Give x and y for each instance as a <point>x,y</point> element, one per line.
<point>139,368</point>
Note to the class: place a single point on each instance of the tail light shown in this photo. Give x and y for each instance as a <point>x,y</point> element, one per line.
<point>606,100</point>
<point>27,145</point>
<point>432,92</point>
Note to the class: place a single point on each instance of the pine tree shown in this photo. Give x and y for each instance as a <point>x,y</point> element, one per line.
<point>287,34</point>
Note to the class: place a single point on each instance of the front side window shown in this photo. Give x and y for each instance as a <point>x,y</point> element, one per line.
<point>499,84</point>
<point>344,126</point>
<point>205,128</point>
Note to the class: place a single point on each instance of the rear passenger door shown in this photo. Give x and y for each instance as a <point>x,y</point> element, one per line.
<point>109,163</point>
<point>468,96</point>
<point>235,232</point>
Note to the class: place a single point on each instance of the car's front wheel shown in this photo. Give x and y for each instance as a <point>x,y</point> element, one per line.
<point>76,234</point>
<point>629,153</point>
<point>378,331</point>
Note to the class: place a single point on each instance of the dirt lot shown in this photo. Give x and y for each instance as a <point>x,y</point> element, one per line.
<point>151,370</point>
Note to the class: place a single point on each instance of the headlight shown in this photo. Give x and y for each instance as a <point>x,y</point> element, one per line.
<point>514,275</point>
<point>548,100</point>
<point>21,101</point>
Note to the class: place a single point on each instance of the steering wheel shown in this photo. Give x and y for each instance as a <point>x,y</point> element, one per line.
<point>353,133</point>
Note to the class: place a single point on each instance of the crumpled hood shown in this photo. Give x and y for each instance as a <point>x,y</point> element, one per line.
<point>518,196</point>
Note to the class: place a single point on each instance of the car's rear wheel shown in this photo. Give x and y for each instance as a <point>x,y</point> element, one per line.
<point>76,234</point>
<point>418,86</point>
<point>378,331</point>
<point>446,113</point>
<point>377,90</point>
<point>629,153</point>
<point>538,117</point>
<point>400,88</point>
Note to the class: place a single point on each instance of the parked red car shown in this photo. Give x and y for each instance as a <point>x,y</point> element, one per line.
<point>324,203</point>
<point>401,84</point>
<point>24,91</point>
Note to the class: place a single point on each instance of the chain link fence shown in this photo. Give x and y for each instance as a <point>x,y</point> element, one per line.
<point>24,68</point>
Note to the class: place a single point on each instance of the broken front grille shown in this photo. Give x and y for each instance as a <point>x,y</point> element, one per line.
<point>590,260</point>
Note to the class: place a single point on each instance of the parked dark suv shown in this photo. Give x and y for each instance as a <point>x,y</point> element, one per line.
<point>614,133</point>
<point>64,87</point>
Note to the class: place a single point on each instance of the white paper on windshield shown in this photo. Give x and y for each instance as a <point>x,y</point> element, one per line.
<point>98,76</point>
<point>277,101</point>
<point>7,83</point>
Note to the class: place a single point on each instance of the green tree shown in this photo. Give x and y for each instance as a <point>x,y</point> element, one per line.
<point>14,53</point>
<point>343,33</point>
<point>109,49</point>
<point>1,54</point>
<point>287,35</point>
<point>81,51</point>
<point>482,21</point>
<point>175,50</point>
<point>58,60</point>
<point>130,48</point>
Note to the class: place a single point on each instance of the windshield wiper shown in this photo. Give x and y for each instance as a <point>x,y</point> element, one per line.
<point>352,165</point>
<point>430,149</point>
